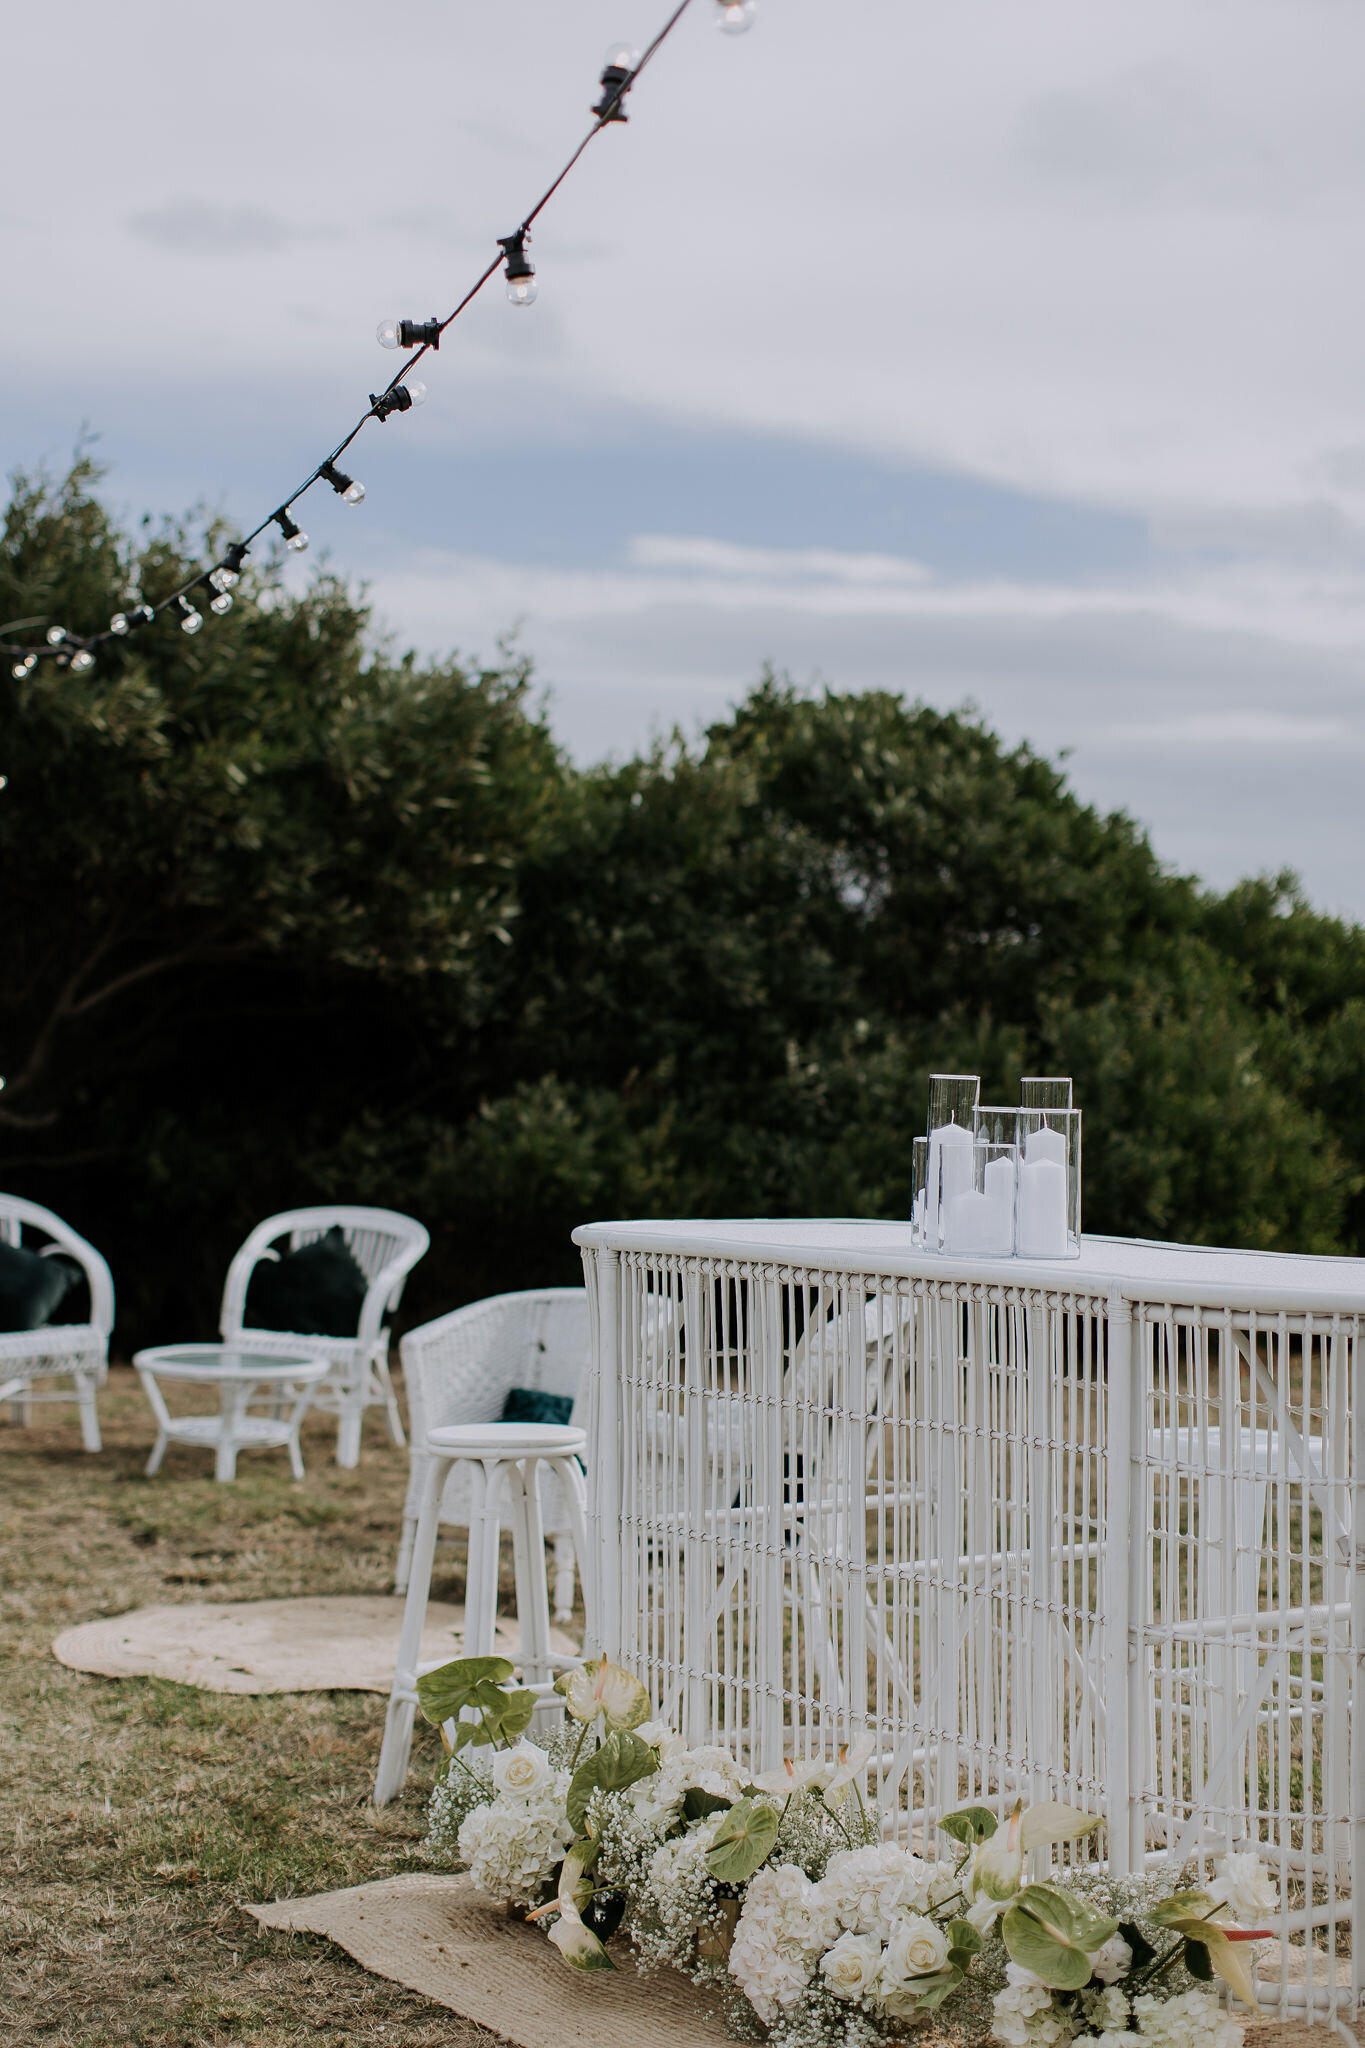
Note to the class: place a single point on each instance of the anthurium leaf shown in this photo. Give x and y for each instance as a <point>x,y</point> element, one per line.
<point>744,1842</point>
<point>970,1825</point>
<point>1182,1906</point>
<point>1054,1934</point>
<point>516,1715</point>
<point>1143,1952</point>
<point>1231,1960</point>
<point>1197,1962</point>
<point>442,1693</point>
<point>699,1805</point>
<point>1050,1822</point>
<point>621,1761</point>
<point>925,1994</point>
<point>964,1939</point>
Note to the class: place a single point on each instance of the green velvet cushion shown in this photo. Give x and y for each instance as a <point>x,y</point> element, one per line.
<point>31,1287</point>
<point>528,1404</point>
<point>318,1290</point>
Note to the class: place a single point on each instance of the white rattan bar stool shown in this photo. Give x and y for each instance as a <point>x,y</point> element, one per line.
<point>503,1461</point>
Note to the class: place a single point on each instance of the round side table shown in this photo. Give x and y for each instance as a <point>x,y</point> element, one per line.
<point>240,1375</point>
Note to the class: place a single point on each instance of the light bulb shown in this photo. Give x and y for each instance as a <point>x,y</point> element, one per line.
<point>521,291</point>
<point>386,333</point>
<point>353,494</point>
<point>24,668</point>
<point>621,57</point>
<point>119,623</point>
<point>295,539</point>
<point>223,579</point>
<point>190,619</point>
<point>124,622</point>
<point>82,661</point>
<point>416,390</point>
<point>220,604</point>
<point>56,635</point>
<point>736,16</point>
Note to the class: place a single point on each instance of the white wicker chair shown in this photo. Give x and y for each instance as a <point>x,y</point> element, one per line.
<point>386,1246</point>
<point>462,1367</point>
<point>75,1351</point>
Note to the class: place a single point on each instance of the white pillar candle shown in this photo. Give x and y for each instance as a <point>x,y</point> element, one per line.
<point>1046,1144</point>
<point>982,1225</point>
<point>950,1175</point>
<point>1042,1208</point>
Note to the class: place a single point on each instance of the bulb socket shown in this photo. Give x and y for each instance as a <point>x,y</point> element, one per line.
<point>615,85</point>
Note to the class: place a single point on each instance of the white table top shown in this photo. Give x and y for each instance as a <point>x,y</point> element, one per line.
<point>1135,1268</point>
<point>224,1362</point>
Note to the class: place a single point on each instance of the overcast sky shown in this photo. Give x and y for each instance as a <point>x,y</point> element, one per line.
<point>1010,351</point>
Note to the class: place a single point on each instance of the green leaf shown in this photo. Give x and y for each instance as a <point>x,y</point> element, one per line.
<point>970,1825</point>
<point>1054,1934</point>
<point>1196,1960</point>
<point>621,1761</point>
<point>1182,1906</point>
<point>1143,1952</point>
<point>744,1842</point>
<point>442,1693</point>
<point>964,1939</point>
<point>926,1994</point>
<point>699,1805</point>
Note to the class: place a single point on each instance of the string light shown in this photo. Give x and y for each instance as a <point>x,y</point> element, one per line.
<point>620,72</point>
<point>409,333</point>
<point>295,539</point>
<point>82,661</point>
<point>129,621</point>
<point>618,69</point>
<point>519,270</point>
<point>399,398</point>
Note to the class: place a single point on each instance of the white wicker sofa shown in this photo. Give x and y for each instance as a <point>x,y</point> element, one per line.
<point>462,1367</point>
<point>58,1351</point>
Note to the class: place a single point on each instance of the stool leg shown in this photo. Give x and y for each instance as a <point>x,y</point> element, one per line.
<point>533,1594</point>
<point>393,1757</point>
<point>566,1572</point>
<point>481,1572</point>
<point>570,1476</point>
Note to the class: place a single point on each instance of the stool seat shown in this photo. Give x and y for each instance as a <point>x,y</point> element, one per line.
<point>506,1439</point>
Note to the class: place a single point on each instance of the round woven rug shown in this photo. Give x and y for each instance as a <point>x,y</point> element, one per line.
<point>346,1644</point>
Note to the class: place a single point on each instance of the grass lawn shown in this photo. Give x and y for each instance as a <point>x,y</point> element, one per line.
<point>135,1815</point>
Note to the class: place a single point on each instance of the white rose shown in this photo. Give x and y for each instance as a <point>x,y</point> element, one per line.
<point>1243,1883</point>
<point>1113,1961</point>
<point>850,1967</point>
<point>522,1771</point>
<point>917,1948</point>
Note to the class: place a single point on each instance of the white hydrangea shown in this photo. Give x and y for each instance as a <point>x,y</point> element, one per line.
<point>1243,1883</point>
<point>660,1796</point>
<point>1106,2011</point>
<point>783,1930</point>
<point>1194,2020</point>
<point>1025,2016</point>
<point>869,1889</point>
<point>512,1845</point>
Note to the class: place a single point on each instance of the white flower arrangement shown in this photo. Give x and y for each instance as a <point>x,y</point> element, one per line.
<point>781,1888</point>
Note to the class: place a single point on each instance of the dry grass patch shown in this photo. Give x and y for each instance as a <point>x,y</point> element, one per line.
<point>135,1815</point>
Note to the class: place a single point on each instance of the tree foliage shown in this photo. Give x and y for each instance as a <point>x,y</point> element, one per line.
<point>288,917</point>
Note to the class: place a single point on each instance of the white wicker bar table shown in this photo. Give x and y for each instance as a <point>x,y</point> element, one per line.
<point>1090,1530</point>
<point>240,1377</point>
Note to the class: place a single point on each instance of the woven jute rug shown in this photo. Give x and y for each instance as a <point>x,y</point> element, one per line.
<point>346,1644</point>
<point>438,1936</point>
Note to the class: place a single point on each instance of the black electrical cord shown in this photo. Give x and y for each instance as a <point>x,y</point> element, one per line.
<point>605,115</point>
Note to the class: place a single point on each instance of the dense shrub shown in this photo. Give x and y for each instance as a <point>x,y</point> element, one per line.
<point>289,918</point>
